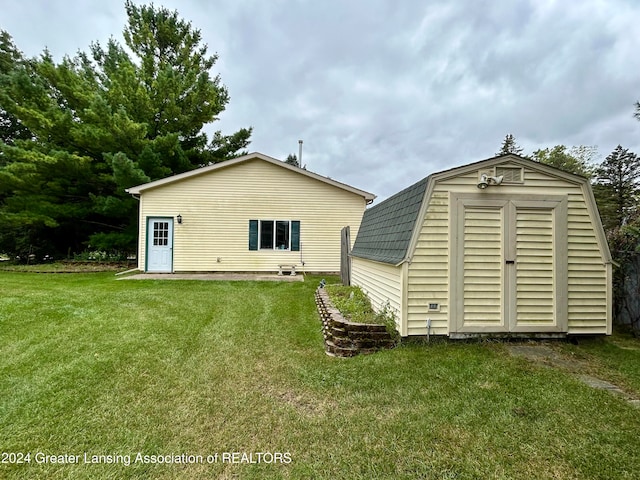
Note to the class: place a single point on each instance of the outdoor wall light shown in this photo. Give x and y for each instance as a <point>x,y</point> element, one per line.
<point>486,180</point>
<point>179,218</point>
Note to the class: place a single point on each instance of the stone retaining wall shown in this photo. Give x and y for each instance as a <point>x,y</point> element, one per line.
<point>347,339</point>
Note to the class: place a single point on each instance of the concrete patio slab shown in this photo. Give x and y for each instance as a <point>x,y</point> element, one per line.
<point>216,276</point>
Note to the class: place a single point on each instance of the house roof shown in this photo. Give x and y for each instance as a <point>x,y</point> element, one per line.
<point>139,189</point>
<point>389,228</point>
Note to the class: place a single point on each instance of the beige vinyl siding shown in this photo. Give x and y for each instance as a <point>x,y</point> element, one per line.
<point>428,274</point>
<point>381,282</point>
<point>216,208</point>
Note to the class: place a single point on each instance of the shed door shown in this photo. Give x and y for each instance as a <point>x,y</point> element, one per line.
<point>535,279</point>
<point>160,245</point>
<point>483,267</point>
<point>509,267</point>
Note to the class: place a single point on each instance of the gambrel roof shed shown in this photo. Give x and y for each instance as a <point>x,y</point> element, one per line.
<point>505,245</point>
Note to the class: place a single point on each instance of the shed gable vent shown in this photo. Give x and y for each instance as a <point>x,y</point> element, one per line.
<point>510,174</point>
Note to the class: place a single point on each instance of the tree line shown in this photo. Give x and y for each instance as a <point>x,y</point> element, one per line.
<point>74,134</point>
<point>616,186</point>
<point>615,181</point>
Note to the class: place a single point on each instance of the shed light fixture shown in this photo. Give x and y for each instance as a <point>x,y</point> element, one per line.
<point>486,180</point>
<point>179,218</point>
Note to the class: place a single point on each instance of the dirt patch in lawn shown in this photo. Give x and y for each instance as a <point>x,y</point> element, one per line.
<point>543,354</point>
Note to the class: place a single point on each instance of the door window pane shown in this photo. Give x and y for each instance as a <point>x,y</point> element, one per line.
<point>160,234</point>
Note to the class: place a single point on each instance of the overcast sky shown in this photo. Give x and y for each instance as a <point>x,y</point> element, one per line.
<point>385,92</point>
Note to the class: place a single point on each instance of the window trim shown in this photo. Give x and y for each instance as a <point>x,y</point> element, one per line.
<point>274,234</point>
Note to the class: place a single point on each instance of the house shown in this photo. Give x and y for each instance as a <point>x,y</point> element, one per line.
<point>502,246</point>
<point>249,214</point>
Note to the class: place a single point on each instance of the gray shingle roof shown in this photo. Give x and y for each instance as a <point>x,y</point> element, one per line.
<point>386,229</point>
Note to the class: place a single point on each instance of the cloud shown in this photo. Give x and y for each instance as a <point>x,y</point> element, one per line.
<point>384,93</point>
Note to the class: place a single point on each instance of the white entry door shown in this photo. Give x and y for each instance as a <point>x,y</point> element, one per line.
<point>509,265</point>
<point>160,245</point>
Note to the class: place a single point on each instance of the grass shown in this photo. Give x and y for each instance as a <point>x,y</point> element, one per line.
<point>93,364</point>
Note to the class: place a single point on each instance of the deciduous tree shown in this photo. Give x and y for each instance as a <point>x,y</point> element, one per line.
<point>576,160</point>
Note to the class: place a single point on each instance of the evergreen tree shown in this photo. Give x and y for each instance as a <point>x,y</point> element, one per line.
<point>10,57</point>
<point>292,159</point>
<point>509,145</point>
<point>81,131</point>
<point>617,187</point>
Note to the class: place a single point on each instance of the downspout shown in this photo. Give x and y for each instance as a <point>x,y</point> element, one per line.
<point>137,197</point>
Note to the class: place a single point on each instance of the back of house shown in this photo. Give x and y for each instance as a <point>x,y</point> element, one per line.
<point>250,214</point>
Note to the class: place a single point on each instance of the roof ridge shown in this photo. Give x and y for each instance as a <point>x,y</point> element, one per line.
<point>138,189</point>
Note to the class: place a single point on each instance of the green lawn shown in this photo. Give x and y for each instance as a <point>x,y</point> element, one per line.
<point>91,364</point>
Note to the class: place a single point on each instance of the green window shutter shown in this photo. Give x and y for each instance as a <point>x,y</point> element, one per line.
<point>253,234</point>
<point>295,235</point>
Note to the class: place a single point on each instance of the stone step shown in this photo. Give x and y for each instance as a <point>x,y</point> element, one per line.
<point>334,349</point>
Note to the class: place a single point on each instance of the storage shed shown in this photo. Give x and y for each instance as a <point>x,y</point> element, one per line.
<point>250,214</point>
<point>502,246</point>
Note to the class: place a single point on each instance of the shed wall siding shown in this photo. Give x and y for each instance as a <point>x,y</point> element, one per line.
<point>381,282</point>
<point>428,275</point>
<point>216,209</point>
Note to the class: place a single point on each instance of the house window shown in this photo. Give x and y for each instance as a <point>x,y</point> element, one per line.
<point>274,235</point>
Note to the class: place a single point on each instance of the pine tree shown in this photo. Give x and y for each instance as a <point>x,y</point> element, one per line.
<point>509,145</point>
<point>81,131</point>
<point>10,58</point>
<point>617,187</point>
<point>292,159</point>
